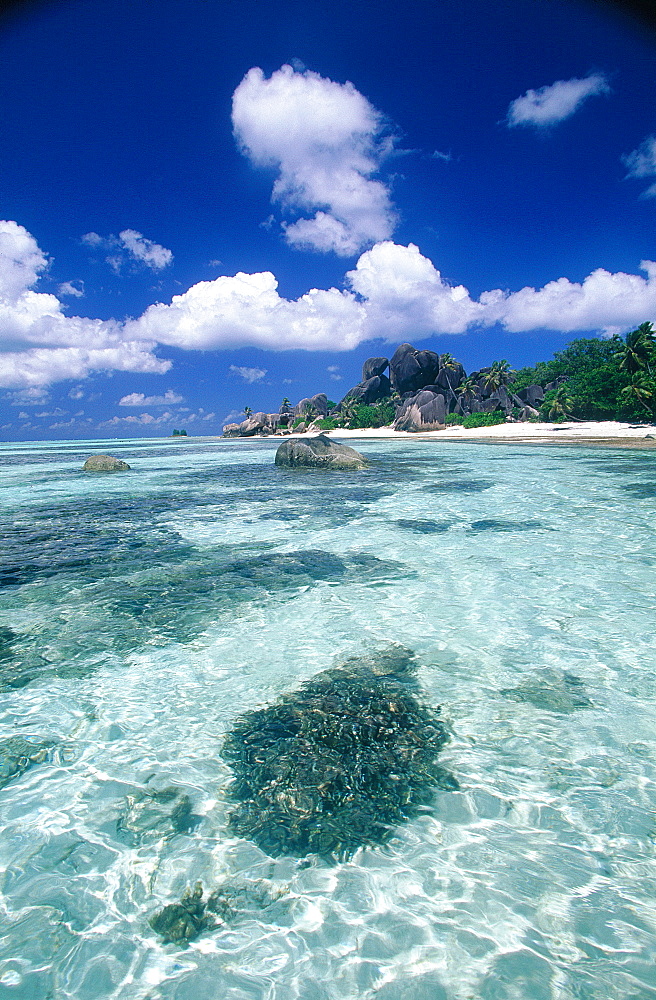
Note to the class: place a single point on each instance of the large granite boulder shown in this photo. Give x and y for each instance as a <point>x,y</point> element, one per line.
<point>373,367</point>
<point>370,391</point>
<point>319,453</point>
<point>411,369</point>
<point>425,411</point>
<point>104,463</point>
<point>231,430</point>
<point>253,424</point>
<point>312,404</point>
<point>532,395</point>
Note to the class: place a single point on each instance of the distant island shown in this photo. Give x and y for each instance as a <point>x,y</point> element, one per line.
<point>415,390</point>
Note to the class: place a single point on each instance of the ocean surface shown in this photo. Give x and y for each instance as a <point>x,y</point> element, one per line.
<point>143,613</point>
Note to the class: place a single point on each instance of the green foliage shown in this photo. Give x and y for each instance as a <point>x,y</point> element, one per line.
<point>331,404</point>
<point>610,379</point>
<point>179,434</point>
<point>452,419</point>
<point>248,410</point>
<point>298,421</point>
<point>360,415</point>
<point>327,424</point>
<point>484,419</point>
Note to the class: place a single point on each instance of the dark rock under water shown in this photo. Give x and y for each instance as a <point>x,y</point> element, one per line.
<point>339,763</point>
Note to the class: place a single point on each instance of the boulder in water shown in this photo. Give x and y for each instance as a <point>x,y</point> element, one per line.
<point>319,453</point>
<point>104,463</point>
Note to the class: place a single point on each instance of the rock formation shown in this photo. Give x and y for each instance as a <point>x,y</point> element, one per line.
<point>104,463</point>
<point>319,453</point>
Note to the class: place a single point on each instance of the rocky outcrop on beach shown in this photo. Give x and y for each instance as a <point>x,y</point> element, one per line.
<point>426,388</point>
<point>104,463</point>
<point>319,453</point>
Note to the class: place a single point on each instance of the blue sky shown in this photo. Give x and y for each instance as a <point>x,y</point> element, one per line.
<point>210,205</point>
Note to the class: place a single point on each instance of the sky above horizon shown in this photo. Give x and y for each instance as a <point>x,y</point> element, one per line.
<point>208,206</point>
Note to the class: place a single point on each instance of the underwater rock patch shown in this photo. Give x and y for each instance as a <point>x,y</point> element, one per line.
<point>423,526</point>
<point>339,763</point>
<point>552,691</point>
<point>155,814</point>
<point>459,486</point>
<point>179,923</point>
<point>18,755</point>
<point>491,524</point>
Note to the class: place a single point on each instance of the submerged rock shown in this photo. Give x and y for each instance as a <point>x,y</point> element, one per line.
<point>339,763</point>
<point>319,453</point>
<point>160,813</point>
<point>552,691</point>
<point>104,463</point>
<point>18,755</point>
<point>181,922</point>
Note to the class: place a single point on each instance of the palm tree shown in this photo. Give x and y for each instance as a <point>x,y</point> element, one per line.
<point>641,390</point>
<point>500,374</point>
<point>562,404</point>
<point>638,351</point>
<point>248,411</point>
<point>466,391</point>
<point>286,402</point>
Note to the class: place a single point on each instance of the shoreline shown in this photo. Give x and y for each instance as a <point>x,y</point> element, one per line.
<point>595,433</point>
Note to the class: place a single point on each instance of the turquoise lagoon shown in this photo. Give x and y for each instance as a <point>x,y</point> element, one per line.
<point>142,613</point>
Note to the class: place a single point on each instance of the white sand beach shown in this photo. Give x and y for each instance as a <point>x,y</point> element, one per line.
<point>610,432</point>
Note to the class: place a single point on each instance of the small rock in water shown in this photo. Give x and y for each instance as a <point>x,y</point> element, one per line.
<point>339,763</point>
<point>155,814</point>
<point>18,755</point>
<point>104,463</point>
<point>551,691</point>
<point>182,922</point>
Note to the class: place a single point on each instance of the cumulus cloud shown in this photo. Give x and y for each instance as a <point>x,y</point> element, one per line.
<point>405,295</point>
<point>327,143</point>
<point>246,310</point>
<point>74,288</point>
<point>39,344</point>
<point>642,163</point>
<point>28,397</point>
<point>153,255</point>
<point>146,419</point>
<point>129,247</point>
<point>249,374</point>
<point>21,260</point>
<point>549,105</point>
<point>138,399</point>
<point>606,302</point>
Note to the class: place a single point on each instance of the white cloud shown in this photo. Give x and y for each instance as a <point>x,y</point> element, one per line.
<point>549,105</point>
<point>76,392</point>
<point>246,310</point>
<point>249,374</point>
<point>74,288</point>
<point>642,163</point>
<point>39,344</point>
<point>143,418</point>
<point>21,260</point>
<point>606,302</point>
<point>405,295</point>
<point>327,142</point>
<point>28,397</point>
<point>138,399</point>
<point>151,254</point>
<point>129,246</point>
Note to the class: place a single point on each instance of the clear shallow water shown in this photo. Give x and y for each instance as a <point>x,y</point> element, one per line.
<point>142,614</point>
